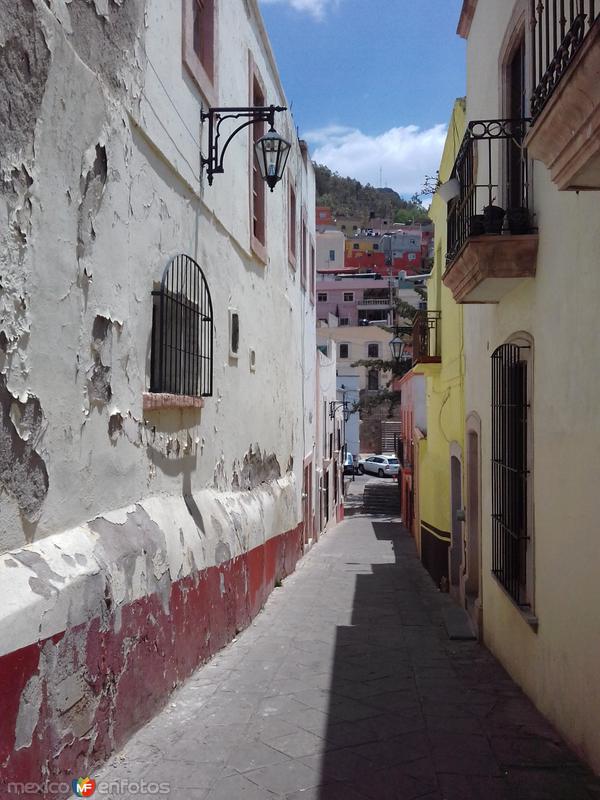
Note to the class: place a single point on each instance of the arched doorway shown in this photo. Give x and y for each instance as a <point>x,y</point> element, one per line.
<point>456,543</point>
<point>472,592</point>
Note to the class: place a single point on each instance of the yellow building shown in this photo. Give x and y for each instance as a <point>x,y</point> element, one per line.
<point>438,353</point>
<point>363,245</point>
<point>523,245</point>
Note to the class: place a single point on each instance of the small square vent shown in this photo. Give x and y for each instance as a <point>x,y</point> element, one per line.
<point>234,333</point>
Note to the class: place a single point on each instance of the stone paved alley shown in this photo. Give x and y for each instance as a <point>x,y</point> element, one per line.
<point>347,686</point>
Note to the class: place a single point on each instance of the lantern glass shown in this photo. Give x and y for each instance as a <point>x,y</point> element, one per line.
<point>272,152</point>
<point>397,348</point>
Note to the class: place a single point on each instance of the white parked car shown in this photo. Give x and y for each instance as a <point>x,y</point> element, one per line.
<point>379,465</point>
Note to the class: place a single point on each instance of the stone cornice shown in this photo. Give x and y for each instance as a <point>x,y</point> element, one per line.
<point>466,18</point>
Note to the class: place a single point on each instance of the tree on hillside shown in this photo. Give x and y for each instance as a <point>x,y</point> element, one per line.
<point>348,197</point>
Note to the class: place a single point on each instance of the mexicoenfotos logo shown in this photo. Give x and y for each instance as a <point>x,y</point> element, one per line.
<point>83,787</point>
<point>86,787</point>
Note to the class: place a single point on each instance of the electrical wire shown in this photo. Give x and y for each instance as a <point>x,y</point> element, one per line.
<point>196,142</point>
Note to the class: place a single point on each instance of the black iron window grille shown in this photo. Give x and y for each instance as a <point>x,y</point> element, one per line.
<point>427,337</point>
<point>559,28</point>
<point>492,172</point>
<point>510,410</point>
<point>182,331</point>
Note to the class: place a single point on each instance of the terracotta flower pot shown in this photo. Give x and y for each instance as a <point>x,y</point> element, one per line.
<point>519,220</point>
<point>476,225</point>
<point>493,217</point>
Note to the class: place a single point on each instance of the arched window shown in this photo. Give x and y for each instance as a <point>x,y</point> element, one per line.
<point>182,331</point>
<point>511,539</point>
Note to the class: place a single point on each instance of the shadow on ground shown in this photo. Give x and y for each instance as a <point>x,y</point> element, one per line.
<point>414,715</point>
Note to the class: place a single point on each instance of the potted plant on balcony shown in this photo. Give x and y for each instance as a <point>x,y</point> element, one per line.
<point>519,220</point>
<point>476,225</point>
<point>492,218</point>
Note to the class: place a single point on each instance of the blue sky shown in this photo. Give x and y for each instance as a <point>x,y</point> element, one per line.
<point>371,82</point>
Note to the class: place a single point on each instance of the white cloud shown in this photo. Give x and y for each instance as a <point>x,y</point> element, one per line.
<point>316,8</point>
<point>404,155</point>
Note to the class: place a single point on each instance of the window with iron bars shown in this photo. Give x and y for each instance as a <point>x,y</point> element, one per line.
<point>182,331</point>
<point>510,411</point>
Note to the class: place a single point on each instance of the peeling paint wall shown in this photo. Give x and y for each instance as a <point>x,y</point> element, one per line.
<point>99,174</point>
<point>23,472</point>
<point>134,540</point>
<point>153,589</point>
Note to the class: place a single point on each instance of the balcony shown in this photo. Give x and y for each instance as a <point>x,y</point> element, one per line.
<point>490,249</point>
<point>565,105</point>
<point>377,302</point>
<point>426,338</point>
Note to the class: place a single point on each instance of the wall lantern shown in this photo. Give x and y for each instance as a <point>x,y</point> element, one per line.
<point>272,150</point>
<point>397,347</point>
<point>334,407</point>
<point>449,190</point>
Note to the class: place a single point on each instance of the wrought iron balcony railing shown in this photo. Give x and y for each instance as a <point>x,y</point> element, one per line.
<point>376,301</point>
<point>559,29</point>
<point>492,173</point>
<point>426,337</point>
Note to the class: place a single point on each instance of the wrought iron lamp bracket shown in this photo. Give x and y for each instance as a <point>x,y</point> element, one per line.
<point>334,407</point>
<point>216,117</point>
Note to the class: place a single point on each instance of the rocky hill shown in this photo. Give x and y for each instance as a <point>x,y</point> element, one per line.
<point>350,198</point>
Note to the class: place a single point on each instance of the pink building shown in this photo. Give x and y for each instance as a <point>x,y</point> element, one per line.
<point>413,415</point>
<point>352,299</point>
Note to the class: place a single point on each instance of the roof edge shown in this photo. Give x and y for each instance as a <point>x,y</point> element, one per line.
<point>466,18</point>
<point>253,4</point>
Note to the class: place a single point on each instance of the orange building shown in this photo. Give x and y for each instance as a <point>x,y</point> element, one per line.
<point>324,216</point>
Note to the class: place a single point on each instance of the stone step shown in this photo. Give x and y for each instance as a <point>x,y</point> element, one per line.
<point>381,498</point>
<point>458,624</point>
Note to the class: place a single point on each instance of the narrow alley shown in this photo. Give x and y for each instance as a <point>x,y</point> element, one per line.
<point>347,686</point>
<point>299,442</point>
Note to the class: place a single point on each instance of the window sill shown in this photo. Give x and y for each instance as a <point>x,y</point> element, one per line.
<point>153,401</point>
<point>206,84</point>
<point>259,249</point>
<point>526,616</point>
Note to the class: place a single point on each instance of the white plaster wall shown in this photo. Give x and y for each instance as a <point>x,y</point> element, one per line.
<point>351,394</point>
<point>558,665</point>
<point>153,205</point>
<point>330,240</point>
<point>309,338</point>
<point>358,337</point>
<point>131,553</point>
<point>327,393</point>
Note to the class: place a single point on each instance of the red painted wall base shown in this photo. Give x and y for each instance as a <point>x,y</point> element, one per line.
<point>124,664</point>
